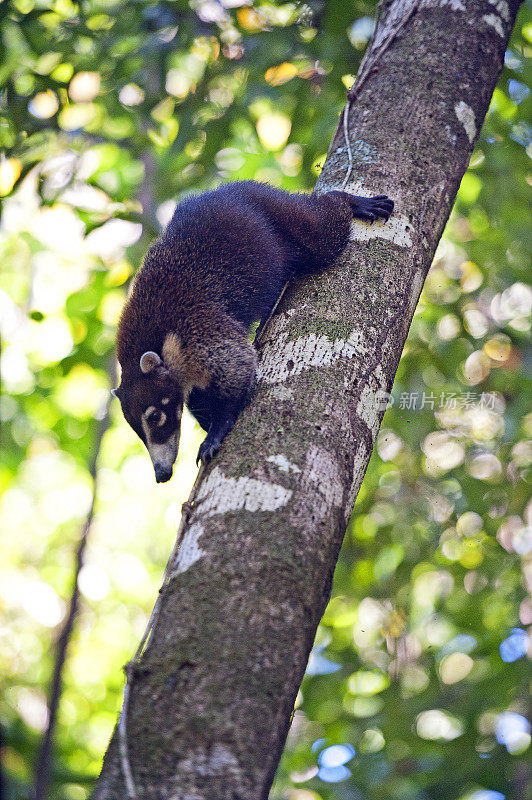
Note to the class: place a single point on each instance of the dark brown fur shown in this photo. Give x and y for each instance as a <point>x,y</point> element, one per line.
<point>218,267</point>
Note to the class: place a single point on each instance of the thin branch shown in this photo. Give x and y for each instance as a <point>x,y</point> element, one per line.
<point>367,67</point>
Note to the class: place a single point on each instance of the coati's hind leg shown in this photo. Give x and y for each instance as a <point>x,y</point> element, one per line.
<point>315,229</point>
<point>328,224</point>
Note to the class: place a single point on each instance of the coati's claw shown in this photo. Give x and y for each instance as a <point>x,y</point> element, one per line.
<point>207,451</point>
<point>205,456</point>
<point>369,209</point>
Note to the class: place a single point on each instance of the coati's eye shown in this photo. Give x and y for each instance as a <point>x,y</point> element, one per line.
<point>155,417</point>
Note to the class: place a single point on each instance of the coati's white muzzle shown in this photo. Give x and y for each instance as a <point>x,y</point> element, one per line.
<point>162,456</point>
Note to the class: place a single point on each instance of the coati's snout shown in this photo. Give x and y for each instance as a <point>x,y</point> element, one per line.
<point>153,406</point>
<point>163,457</point>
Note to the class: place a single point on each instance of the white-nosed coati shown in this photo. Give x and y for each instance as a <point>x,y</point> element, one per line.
<point>219,266</point>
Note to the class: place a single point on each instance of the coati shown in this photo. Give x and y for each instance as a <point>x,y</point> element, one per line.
<point>219,266</point>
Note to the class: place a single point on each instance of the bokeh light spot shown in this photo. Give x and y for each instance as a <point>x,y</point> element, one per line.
<point>513,731</point>
<point>438,725</point>
<point>514,646</point>
<point>336,755</point>
<point>273,130</point>
<point>44,105</point>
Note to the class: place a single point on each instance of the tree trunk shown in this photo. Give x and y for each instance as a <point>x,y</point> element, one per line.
<point>211,699</point>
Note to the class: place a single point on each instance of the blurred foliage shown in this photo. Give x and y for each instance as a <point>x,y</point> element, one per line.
<point>417,687</point>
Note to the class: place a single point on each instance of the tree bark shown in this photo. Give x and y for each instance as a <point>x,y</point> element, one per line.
<point>211,699</point>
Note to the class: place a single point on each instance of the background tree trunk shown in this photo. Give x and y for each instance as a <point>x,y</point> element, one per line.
<point>212,697</point>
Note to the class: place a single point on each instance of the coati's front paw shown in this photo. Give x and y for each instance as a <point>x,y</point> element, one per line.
<point>369,209</point>
<point>219,429</point>
<point>212,442</point>
<point>208,450</point>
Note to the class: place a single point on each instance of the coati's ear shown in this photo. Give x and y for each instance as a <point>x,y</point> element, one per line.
<point>149,361</point>
<point>116,392</point>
